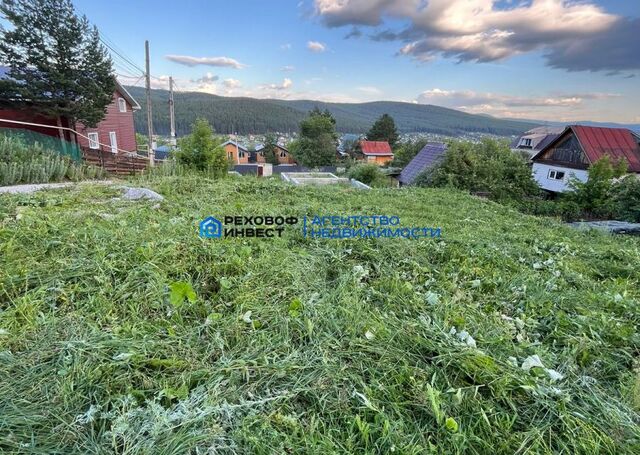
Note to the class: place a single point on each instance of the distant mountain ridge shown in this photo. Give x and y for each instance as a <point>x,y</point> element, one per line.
<point>250,115</point>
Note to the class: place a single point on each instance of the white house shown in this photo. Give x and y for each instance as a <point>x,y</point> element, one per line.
<point>571,153</point>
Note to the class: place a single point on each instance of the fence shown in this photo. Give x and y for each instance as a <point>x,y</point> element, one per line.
<point>115,163</point>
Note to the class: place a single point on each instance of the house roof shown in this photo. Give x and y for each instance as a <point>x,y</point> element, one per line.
<point>426,158</point>
<point>598,142</point>
<point>127,96</point>
<point>378,148</point>
<point>234,143</point>
<point>540,137</point>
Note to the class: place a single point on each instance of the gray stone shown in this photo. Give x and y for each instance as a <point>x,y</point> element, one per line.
<point>135,194</point>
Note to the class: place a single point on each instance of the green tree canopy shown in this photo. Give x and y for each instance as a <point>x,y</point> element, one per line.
<point>270,149</point>
<point>318,140</point>
<point>384,129</point>
<point>202,151</point>
<point>489,166</point>
<point>58,67</point>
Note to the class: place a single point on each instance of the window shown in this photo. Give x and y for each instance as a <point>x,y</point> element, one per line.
<point>230,155</point>
<point>283,154</point>
<point>122,105</point>
<point>241,155</point>
<point>555,175</point>
<point>114,141</point>
<point>93,141</point>
<point>525,142</point>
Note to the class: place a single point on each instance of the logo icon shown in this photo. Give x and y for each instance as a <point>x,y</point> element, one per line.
<point>210,228</point>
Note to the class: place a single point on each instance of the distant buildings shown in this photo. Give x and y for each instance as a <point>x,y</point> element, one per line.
<point>571,153</point>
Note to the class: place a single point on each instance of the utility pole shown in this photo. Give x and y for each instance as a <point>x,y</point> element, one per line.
<point>149,112</point>
<point>172,115</point>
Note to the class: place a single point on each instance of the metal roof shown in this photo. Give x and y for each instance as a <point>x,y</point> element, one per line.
<point>381,148</point>
<point>596,142</point>
<point>429,156</point>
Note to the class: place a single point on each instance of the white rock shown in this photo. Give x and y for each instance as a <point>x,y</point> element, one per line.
<point>134,194</point>
<point>532,361</point>
<point>247,317</point>
<point>554,375</point>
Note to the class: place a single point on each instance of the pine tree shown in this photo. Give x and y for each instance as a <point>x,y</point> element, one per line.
<point>384,129</point>
<point>58,67</point>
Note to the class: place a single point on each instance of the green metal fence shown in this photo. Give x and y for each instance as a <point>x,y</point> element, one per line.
<point>53,143</point>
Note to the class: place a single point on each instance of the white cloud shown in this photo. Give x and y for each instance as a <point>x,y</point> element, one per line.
<point>285,47</point>
<point>489,30</point>
<point>316,46</point>
<point>232,83</point>
<point>286,84</point>
<point>288,68</point>
<point>206,61</point>
<point>556,106</point>
<point>369,90</point>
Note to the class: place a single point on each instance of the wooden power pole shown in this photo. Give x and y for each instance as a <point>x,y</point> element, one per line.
<point>172,115</point>
<point>149,111</point>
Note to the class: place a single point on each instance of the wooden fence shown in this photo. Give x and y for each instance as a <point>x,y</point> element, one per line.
<point>115,163</point>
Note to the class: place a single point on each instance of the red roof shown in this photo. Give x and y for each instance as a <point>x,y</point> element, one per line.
<point>615,142</point>
<point>380,148</point>
<point>598,142</point>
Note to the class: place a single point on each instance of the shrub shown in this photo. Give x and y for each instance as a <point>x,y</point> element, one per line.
<point>489,167</point>
<point>594,198</point>
<point>33,163</point>
<point>201,151</point>
<point>369,174</point>
<point>626,199</point>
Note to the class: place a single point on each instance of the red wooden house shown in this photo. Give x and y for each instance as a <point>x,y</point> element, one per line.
<point>115,133</point>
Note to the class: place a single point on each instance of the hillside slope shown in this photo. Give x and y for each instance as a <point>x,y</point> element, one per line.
<point>122,331</point>
<point>249,115</point>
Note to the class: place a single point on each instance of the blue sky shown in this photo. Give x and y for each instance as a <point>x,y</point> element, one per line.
<point>544,59</point>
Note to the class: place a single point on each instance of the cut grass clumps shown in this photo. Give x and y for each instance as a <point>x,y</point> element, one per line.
<point>122,331</point>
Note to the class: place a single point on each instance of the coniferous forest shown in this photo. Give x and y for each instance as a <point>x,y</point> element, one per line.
<point>249,115</point>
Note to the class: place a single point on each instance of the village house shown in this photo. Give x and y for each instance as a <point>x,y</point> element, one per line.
<point>571,153</point>
<point>115,133</point>
<point>236,153</point>
<point>282,155</point>
<point>376,152</point>
<point>536,139</point>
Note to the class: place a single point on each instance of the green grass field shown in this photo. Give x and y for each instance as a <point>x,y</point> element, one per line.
<point>296,345</point>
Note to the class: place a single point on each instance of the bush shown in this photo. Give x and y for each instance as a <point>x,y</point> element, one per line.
<point>488,167</point>
<point>32,163</point>
<point>202,152</point>
<point>369,174</point>
<point>594,198</point>
<point>626,199</point>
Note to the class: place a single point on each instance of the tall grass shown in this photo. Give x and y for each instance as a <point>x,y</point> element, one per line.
<point>122,331</point>
<point>33,163</point>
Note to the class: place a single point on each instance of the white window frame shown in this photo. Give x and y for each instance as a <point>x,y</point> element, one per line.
<point>526,142</point>
<point>94,141</point>
<point>122,103</point>
<point>113,140</point>
<point>553,174</point>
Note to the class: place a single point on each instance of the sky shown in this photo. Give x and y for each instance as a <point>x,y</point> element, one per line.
<point>538,59</point>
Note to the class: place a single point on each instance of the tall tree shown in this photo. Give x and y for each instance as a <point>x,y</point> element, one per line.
<point>270,149</point>
<point>201,151</point>
<point>58,67</point>
<point>384,129</point>
<point>318,140</point>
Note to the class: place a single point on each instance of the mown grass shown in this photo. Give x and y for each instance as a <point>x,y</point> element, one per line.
<point>348,346</point>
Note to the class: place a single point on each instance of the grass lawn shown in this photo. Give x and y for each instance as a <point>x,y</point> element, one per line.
<point>294,345</point>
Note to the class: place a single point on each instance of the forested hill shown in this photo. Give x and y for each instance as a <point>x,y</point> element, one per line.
<point>249,115</point>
